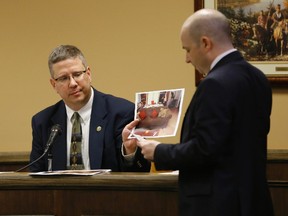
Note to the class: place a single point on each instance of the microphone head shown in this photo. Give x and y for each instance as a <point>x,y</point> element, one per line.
<point>56,129</point>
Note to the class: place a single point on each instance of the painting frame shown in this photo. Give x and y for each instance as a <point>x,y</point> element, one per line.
<point>276,80</point>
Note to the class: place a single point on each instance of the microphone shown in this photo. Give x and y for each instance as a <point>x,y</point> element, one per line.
<point>55,131</point>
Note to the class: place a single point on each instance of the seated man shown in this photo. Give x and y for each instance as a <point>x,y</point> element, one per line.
<point>97,143</point>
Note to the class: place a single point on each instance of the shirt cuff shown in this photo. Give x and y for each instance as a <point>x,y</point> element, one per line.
<point>130,157</point>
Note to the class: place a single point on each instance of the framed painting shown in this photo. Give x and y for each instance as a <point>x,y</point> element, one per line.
<point>259,30</point>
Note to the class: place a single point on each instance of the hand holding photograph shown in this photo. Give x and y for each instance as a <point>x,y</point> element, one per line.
<point>159,112</point>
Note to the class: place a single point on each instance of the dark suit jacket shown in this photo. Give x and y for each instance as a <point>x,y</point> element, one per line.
<point>222,154</point>
<point>108,112</point>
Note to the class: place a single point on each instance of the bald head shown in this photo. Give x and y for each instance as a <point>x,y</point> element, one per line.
<point>205,35</point>
<point>210,23</point>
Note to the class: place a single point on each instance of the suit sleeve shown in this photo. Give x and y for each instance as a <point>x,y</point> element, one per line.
<point>37,149</point>
<point>204,132</point>
<point>139,163</point>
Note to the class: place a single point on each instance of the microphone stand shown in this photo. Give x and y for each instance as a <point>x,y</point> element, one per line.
<point>49,160</point>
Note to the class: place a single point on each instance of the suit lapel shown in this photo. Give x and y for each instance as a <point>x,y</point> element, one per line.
<point>98,124</point>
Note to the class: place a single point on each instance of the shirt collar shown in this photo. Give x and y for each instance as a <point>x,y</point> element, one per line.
<point>219,57</point>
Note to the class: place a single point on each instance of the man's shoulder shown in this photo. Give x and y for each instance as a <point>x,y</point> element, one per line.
<point>112,99</point>
<point>50,110</point>
<point>112,105</point>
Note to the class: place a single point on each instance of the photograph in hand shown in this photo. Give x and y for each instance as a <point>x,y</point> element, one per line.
<point>159,112</point>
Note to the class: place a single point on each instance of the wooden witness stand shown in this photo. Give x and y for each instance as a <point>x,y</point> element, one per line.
<point>125,194</point>
<point>103,194</point>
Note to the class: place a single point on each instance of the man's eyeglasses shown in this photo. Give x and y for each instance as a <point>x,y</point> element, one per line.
<point>77,76</point>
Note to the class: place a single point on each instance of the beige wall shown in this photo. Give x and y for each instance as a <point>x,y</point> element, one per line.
<point>131,46</point>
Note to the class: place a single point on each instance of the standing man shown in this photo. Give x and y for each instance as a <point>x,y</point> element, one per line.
<point>101,119</point>
<point>221,156</point>
<point>277,16</point>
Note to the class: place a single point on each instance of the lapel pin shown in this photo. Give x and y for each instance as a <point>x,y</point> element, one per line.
<point>99,128</point>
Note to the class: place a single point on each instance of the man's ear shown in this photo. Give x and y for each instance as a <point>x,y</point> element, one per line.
<point>88,72</point>
<point>206,43</point>
<point>53,84</point>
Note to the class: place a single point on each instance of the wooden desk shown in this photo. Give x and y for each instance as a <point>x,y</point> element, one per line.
<point>105,194</point>
<point>111,194</point>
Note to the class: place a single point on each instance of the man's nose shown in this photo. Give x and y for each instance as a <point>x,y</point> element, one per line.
<point>72,80</point>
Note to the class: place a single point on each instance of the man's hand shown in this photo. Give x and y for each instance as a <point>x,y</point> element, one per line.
<point>130,144</point>
<point>148,148</point>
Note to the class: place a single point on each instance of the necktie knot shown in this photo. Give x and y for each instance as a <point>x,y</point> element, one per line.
<point>75,116</point>
<point>76,123</point>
